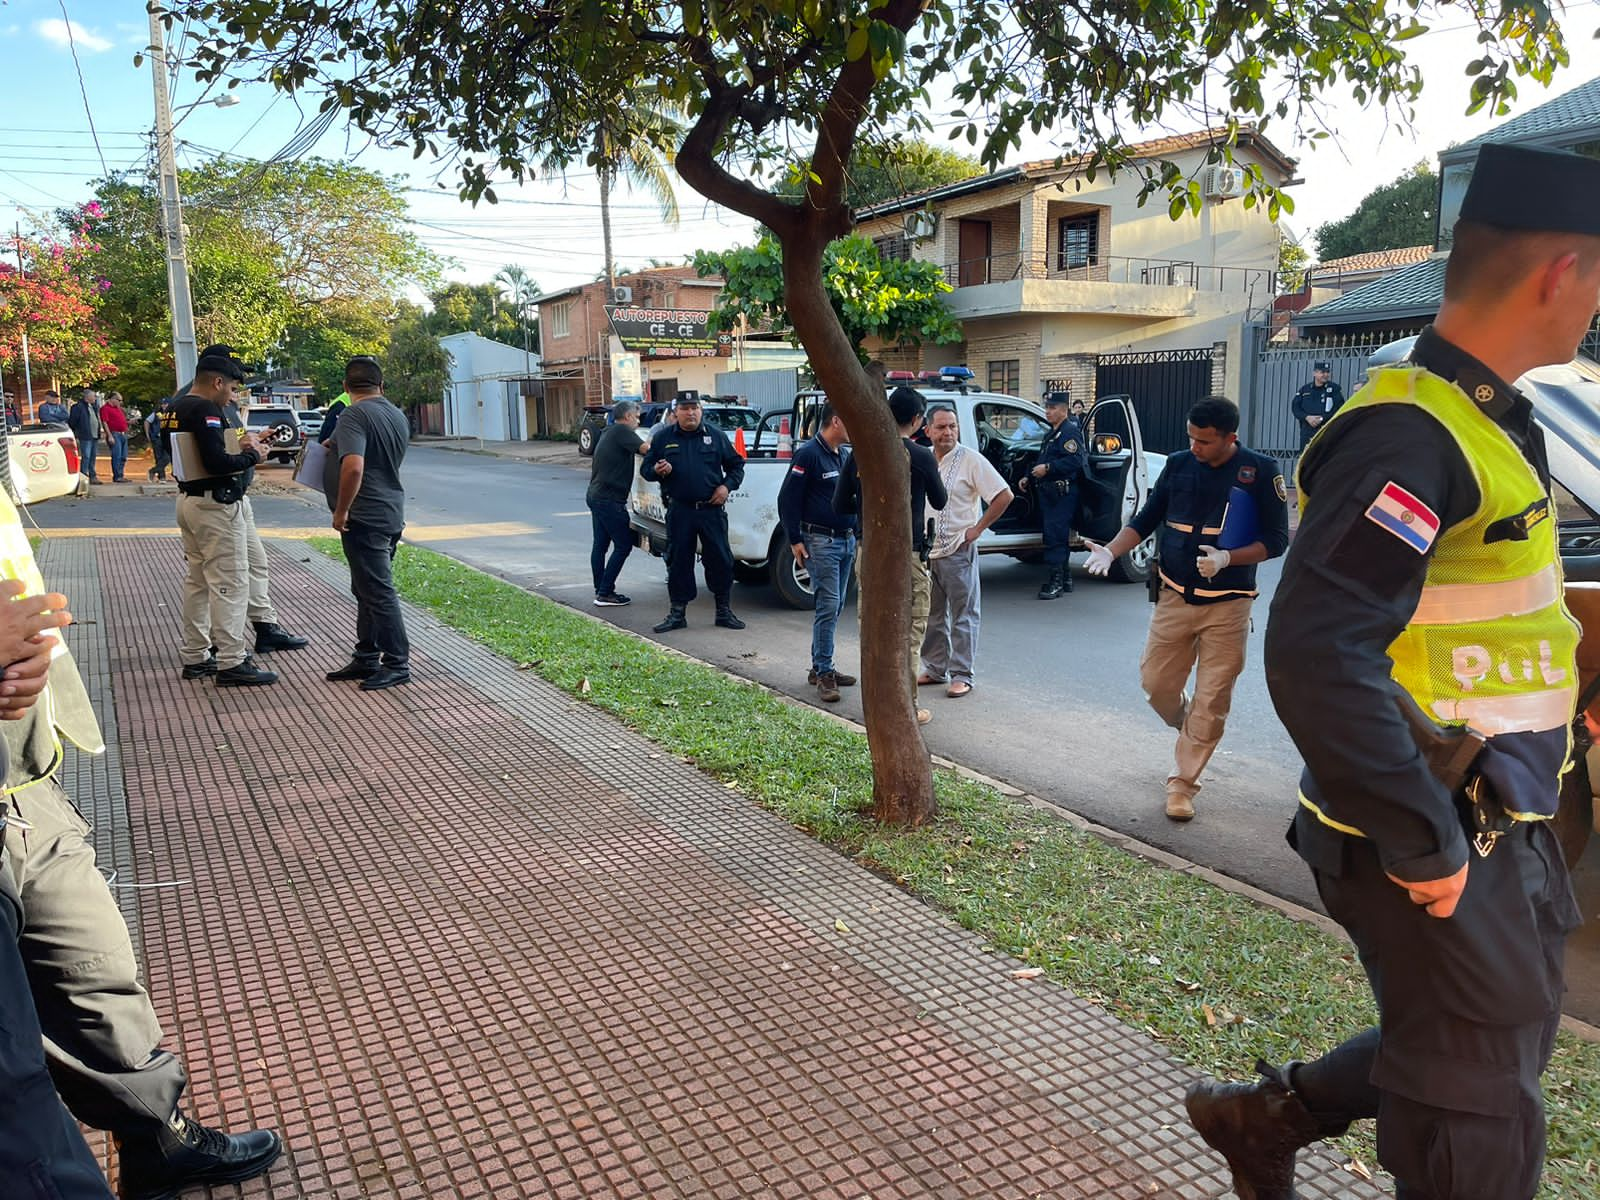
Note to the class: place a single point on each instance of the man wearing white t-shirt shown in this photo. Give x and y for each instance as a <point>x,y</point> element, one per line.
<point>978,495</point>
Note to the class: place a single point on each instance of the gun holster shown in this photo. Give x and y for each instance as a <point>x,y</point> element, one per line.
<point>1450,752</point>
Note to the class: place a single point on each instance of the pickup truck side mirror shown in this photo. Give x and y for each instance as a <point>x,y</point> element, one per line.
<point>1106,443</point>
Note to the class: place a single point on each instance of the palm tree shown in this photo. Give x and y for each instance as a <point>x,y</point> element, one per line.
<point>642,153</point>
<point>520,291</point>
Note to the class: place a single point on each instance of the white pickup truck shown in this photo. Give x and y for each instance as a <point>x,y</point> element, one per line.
<point>1008,431</point>
<point>42,463</point>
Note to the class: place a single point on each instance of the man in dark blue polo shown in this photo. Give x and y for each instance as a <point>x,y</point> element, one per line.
<point>823,541</point>
<point>697,468</point>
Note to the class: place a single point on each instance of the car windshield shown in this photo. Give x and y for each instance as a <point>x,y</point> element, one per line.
<point>730,419</point>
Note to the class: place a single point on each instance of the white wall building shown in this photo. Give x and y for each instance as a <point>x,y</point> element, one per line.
<point>485,397</point>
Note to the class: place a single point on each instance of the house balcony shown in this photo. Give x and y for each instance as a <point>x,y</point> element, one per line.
<point>1146,288</point>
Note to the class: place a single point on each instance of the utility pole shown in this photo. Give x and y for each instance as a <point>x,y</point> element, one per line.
<point>184,350</point>
<point>27,369</point>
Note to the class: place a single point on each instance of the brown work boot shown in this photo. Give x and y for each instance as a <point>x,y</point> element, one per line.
<point>828,687</point>
<point>1257,1127</point>
<point>1180,806</point>
<point>839,677</point>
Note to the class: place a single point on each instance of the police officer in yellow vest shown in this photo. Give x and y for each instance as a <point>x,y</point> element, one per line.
<point>1420,655</point>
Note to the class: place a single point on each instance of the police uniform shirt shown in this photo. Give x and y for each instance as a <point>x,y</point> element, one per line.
<point>1188,507</point>
<point>1349,587</point>
<point>1063,453</point>
<point>806,496</point>
<point>1317,400</point>
<point>206,421</point>
<point>702,462</point>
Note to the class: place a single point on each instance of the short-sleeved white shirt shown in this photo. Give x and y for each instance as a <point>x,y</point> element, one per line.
<point>972,482</point>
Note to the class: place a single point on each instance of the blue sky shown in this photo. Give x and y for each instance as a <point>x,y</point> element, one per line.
<point>48,154</point>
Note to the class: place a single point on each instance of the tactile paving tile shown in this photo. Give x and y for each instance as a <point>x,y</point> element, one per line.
<point>471,938</point>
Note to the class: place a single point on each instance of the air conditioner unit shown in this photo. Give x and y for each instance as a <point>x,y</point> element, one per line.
<point>921,225</point>
<point>1223,183</point>
<point>622,295</point>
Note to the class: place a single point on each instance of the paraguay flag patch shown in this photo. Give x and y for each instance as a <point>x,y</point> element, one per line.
<point>1398,512</point>
<point>214,422</point>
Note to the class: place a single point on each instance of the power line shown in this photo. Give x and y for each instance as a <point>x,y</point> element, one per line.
<point>83,88</point>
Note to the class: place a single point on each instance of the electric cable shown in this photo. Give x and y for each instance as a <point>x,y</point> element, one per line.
<point>83,88</point>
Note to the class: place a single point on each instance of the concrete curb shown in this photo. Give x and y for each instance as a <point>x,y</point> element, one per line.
<point>1122,841</point>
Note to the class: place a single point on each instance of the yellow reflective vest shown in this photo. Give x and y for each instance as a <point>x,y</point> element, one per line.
<point>1491,644</point>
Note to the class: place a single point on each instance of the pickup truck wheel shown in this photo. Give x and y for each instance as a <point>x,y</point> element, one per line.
<point>754,574</point>
<point>586,441</point>
<point>792,581</point>
<point>1135,566</point>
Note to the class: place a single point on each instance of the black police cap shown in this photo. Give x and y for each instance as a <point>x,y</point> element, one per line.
<point>1321,365</point>
<point>1543,191</point>
<point>689,397</point>
<point>220,358</point>
<point>1051,399</point>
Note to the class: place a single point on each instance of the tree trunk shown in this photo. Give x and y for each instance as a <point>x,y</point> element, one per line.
<point>605,234</point>
<point>902,775</point>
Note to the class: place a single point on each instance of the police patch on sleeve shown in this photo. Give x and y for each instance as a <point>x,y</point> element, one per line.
<point>1279,487</point>
<point>214,422</point>
<point>1071,446</point>
<point>1399,513</point>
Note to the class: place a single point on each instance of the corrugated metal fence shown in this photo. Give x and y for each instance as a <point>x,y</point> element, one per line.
<point>765,391</point>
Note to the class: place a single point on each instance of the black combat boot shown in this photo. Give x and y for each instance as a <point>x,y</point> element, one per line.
<point>674,620</point>
<point>199,670</point>
<point>725,617</point>
<point>183,1154</point>
<point>1258,1127</point>
<point>1053,585</point>
<point>271,636</point>
<point>245,674</point>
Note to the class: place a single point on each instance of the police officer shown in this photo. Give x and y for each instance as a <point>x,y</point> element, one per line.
<point>1219,508</point>
<point>1054,480</point>
<point>216,530</point>
<point>1420,656</point>
<point>1316,401</point>
<point>697,468</point>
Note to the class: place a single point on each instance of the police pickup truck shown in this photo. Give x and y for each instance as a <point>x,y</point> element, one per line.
<point>42,463</point>
<point>1008,431</point>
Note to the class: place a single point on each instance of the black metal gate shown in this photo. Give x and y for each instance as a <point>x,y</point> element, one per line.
<point>1164,385</point>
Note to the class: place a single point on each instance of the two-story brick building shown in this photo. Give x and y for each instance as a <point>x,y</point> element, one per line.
<point>575,338</point>
<point>1053,271</point>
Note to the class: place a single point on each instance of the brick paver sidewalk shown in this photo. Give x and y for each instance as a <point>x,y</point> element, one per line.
<point>470,938</point>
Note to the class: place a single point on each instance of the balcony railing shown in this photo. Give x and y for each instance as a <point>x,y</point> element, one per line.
<point>1105,268</point>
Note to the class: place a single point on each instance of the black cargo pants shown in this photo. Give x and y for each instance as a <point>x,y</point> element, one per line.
<point>1468,1009</point>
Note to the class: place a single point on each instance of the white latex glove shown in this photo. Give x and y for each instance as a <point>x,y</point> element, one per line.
<point>1212,560</point>
<point>1099,558</point>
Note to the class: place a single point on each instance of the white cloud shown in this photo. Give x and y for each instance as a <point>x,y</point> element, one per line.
<point>55,30</point>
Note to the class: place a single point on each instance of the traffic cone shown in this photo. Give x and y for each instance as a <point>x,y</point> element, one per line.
<point>738,443</point>
<point>785,439</point>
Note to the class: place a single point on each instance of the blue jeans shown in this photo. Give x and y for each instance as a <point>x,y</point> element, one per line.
<point>828,559</point>
<point>86,449</point>
<point>119,454</point>
<point>609,519</point>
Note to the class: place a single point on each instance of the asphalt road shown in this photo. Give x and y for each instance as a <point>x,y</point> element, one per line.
<point>1057,709</point>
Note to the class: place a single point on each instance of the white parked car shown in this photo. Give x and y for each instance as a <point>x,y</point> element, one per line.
<point>43,462</point>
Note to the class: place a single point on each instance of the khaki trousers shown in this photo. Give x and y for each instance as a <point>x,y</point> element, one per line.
<point>921,601</point>
<point>259,610</point>
<point>216,591</point>
<point>102,1038</point>
<point>1208,639</point>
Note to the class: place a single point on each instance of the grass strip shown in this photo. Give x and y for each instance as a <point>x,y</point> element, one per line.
<point>1216,977</point>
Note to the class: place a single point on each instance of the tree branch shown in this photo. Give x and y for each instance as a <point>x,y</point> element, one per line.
<point>841,120</point>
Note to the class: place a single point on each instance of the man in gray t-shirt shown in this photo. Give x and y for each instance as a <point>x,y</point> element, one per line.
<point>369,511</point>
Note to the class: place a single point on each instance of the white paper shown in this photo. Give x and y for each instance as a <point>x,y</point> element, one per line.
<point>311,464</point>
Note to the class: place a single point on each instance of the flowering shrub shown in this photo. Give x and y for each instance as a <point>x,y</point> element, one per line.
<point>53,297</point>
